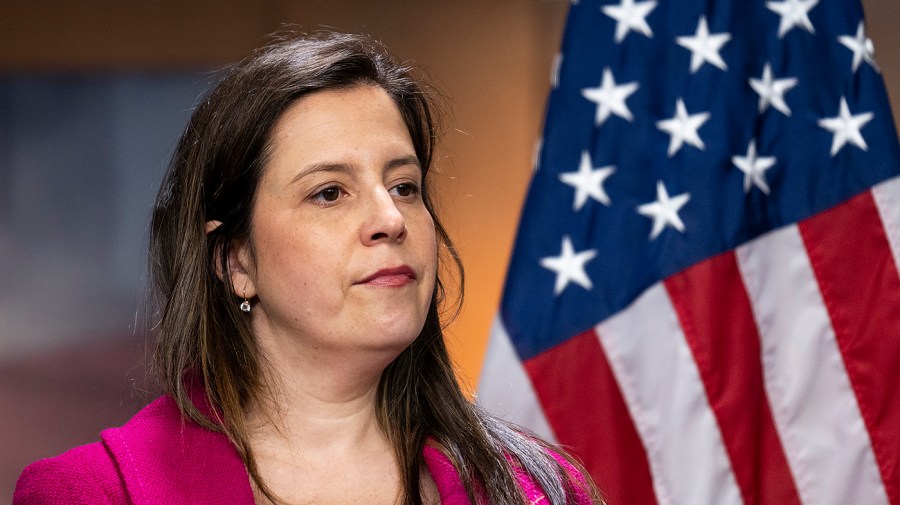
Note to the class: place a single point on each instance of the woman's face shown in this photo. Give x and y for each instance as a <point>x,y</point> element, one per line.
<point>342,254</point>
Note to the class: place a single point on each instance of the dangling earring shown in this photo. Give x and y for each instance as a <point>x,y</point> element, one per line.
<point>245,305</point>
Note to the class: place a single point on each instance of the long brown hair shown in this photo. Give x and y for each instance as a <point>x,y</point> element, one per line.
<point>202,334</point>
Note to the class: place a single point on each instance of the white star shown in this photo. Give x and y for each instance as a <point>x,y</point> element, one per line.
<point>845,128</point>
<point>771,90</point>
<point>683,128</point>
<point>630,15</point>
<point>610,99</point>
<point>754,168</point>
<point>588,182</point>
<point>536,154</point>
<point>705,46</point>
<point>664,211</point>
<point>793,13</point>
<point>554,72</point>
<point>862,47</point>
<point>569,266</point>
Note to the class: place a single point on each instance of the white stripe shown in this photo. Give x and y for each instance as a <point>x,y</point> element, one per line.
<point>505,389</point>
<point>887,199</point>
<point>815,411</point>
<point>661,385</point>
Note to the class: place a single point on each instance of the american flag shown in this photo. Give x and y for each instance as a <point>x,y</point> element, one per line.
<point>703,302</point>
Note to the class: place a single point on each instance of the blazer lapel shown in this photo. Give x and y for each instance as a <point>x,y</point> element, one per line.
<point>164,458</point>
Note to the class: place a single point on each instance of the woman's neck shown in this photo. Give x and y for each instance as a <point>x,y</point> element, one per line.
<point>314,395</point>
<point>316,436</point>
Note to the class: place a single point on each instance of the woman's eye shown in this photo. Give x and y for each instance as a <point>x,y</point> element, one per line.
<point>327,195</point>
<point>405,189</point>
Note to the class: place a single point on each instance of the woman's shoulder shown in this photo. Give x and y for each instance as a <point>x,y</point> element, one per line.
<point>580,483</point>
<point>579,487</point>
<point>91,473</point>
<point>165,458</point>
<point>83,475</point>
<point>156,457</point>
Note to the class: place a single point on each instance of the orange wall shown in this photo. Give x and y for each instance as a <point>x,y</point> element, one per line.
<point>491,59</point>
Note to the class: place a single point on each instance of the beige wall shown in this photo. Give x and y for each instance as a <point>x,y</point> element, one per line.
<point>491,59</point>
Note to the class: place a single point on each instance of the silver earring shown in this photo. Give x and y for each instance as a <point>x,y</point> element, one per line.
<point>245,305</point>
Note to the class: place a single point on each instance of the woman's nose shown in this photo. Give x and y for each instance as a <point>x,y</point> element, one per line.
<point>383,221</point>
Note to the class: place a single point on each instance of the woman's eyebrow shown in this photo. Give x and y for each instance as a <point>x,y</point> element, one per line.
<point>320,167</point>
<point>400,161</point>
<point>403,161</point>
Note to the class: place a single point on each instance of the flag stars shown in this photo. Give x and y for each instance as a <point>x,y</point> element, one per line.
<point>705,46</point>
<point>771,91</point>
<point>536,154</point>
<point>664,211</point>
<point>588,182</point>
<point>630,15</point>
<point>793,13</point>
<point>555,69</point>
<point>569,266</point>
<point>610,98</point>
<point>683,128</point>
<point>845,127</point>
<point>754,168</point>
<point>862,47</point>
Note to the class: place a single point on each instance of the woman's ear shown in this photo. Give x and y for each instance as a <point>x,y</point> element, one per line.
<point>239,264</point>
<point>217,253</point>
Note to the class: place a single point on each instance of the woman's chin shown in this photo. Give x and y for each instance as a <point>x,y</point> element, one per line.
<point>393,337</point>
<point>394,325</point>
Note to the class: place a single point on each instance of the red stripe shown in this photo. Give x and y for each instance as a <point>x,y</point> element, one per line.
<point>583,404</point>
<point>851,258</point>
<point>715,314</point>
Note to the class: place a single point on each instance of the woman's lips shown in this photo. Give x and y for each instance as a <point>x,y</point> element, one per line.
<point>390,277</point>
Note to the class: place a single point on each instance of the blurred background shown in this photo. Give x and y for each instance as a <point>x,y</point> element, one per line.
<point>93,96</point>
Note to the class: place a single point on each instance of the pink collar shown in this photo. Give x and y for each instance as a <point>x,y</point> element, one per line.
<point>446,478</point>
<point>164,458</point>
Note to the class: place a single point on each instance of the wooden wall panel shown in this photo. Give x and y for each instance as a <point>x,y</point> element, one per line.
<point>130,34</point>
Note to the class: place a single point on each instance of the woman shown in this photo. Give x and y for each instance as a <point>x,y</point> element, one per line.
<point>294,252</point>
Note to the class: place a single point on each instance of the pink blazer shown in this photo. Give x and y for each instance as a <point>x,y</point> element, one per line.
<point>158,457</point>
